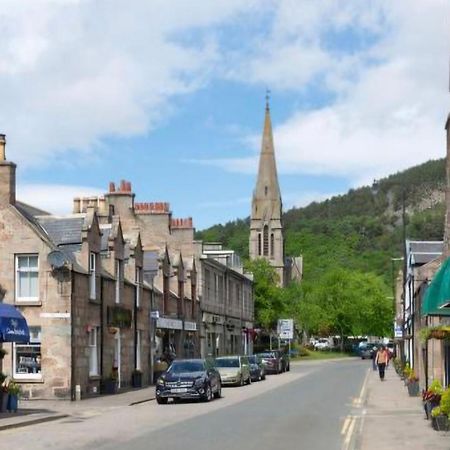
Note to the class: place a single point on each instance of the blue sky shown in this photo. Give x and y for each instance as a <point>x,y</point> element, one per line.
<point>170,95</point>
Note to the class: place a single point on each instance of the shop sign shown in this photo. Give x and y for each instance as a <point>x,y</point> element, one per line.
<point>173,324</point>
<point>213,318</point>
<point>118,317</point>
<point>190,326</point>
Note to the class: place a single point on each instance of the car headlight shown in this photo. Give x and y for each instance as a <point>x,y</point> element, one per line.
<point>160,382</point>
<point>199,382</point>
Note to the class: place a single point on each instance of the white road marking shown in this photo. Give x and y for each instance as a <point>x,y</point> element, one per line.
<point>345,425</point>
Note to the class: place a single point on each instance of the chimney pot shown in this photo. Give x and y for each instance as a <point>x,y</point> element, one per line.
<point>112,187</point>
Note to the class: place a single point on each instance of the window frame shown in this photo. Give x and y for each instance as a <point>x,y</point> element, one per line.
<point>138,281</point>
<point>118,290</point>
<point>31,343</point>
<point>17,256</point>
<point>94,347</point>
<point>92,276</point>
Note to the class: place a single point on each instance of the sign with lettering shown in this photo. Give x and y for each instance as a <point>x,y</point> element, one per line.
<point>190,326</point>
<point>173,324</point>
<point>286,328</point>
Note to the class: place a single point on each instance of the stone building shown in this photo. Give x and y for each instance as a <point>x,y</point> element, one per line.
<point>226,303</point>
<point>169,264</point>
<point>78,282</point>
<point>266,227</point>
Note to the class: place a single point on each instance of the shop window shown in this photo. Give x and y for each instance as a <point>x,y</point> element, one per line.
<point>92,276</point>
<point>27,357</point>
<point>27,278</point>
<point>94,351</point>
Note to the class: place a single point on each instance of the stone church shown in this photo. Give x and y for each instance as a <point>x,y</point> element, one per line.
<point>266,225</point>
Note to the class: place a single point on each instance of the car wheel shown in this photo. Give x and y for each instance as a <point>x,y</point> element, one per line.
<point>288,368</point>
<point>218,393</point>
<point>280,369</point>
<point>208,394</point>
<point>241,381</point>
<point>161,400</point>
<point>249,381</point>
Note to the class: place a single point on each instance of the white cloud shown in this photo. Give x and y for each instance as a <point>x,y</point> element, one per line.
<point>54,198</point>
<point>390,99</point>
<point>75,72</point>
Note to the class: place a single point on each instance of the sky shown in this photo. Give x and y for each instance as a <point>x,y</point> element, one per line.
<point>170,95</point>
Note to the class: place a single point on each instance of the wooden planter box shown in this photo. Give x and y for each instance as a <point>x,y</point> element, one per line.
<point>413,388</point>
<point>440,423</point>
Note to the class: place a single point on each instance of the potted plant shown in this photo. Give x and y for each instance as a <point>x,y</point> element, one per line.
<point>432,397</point>
<point>413,384</point>
<point>13,396</point>
<point>439,415</point>
<point>111,383</point>
<point>406,373</point>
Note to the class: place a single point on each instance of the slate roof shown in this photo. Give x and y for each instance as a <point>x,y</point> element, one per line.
<point>62,231</point>
<point>423,252</point>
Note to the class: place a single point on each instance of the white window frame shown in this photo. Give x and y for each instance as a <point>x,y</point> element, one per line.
<point>92,276</point>
<point>37,343</point>
<point>17,257</point>
<point>94,364</point>
<point>138,281</point>
<point>118,280</point>
<point>138,350</point>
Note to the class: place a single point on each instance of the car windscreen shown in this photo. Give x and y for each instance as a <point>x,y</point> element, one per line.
<point>186,366</point>
<point>227,362</point>
<point>267,355</point>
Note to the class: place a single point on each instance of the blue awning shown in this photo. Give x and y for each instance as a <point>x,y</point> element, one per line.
<point>13,326</point>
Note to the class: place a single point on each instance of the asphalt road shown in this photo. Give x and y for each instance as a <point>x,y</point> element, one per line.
<point>305,408</point>
<point>306,413</point>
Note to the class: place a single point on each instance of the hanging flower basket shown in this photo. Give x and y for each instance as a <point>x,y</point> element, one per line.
<point>438,332</point>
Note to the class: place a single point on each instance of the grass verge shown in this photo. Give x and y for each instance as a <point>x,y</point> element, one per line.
<point>320,354</point>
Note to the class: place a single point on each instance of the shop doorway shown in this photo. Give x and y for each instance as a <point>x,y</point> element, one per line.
<point>447,364</point>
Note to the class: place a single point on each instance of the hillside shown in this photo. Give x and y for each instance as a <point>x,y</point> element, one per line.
<point>359,230</point>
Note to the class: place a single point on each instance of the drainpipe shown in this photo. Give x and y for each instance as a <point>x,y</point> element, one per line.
<point>72,336</point>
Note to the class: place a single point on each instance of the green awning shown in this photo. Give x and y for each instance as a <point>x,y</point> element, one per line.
<point>436,301</point>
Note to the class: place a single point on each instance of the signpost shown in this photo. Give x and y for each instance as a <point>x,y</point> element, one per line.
<point>286,331</point>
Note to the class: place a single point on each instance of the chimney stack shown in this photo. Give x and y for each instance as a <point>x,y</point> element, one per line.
<point>2,147</point>
<point>7,177</point>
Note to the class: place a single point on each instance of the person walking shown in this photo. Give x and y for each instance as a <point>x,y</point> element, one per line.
<point>381,360</point>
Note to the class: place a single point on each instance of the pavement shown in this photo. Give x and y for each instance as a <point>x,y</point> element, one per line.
<point>32,412</point>
<point>390,419</point>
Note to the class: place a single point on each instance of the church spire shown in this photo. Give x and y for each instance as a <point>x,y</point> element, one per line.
<point>267,187</point>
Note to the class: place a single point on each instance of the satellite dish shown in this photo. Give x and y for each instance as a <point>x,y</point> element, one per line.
<point>57,259</point>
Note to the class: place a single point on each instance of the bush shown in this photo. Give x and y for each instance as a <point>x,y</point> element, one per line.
<point>445,402</point>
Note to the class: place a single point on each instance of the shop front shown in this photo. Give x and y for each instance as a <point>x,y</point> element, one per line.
<point>191,344</point>
<point>168,337</point>
<point>213,344</point>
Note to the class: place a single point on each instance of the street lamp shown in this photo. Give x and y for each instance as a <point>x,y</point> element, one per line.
<point>375,186</point>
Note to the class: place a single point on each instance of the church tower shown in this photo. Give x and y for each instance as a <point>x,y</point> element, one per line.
<point>266,229</point>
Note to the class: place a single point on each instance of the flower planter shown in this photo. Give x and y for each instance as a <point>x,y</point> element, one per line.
<point>440,423</point>
<point>428,406</point>
<point>413,388</point>
<point>13,401</point>
<point>136,379</point>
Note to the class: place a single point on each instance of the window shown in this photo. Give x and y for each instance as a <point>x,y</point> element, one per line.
<point>27,357</point>
<point>266,240</point>
<point>92,276</point>
<point>138,349</point>
<point>94,351</point>
<point>118,279</point>
<point>259,244</point>
<point>27,278</point>
<point>138,281</point>
<point>272,245</point>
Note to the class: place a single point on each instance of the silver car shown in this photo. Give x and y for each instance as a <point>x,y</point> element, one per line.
<point>234,370</point>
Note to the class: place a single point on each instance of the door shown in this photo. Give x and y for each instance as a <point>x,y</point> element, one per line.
<point>117,348</point>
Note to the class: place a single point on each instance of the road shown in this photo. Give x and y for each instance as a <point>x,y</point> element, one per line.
<point>306,408</point>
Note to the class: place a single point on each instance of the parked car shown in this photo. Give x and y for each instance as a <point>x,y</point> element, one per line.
<point>189,379</point>
<point>276,361</point>
<point>257,368</point>
<point>367,351</point>
<point>322,344</point>
<point>234,370</point>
